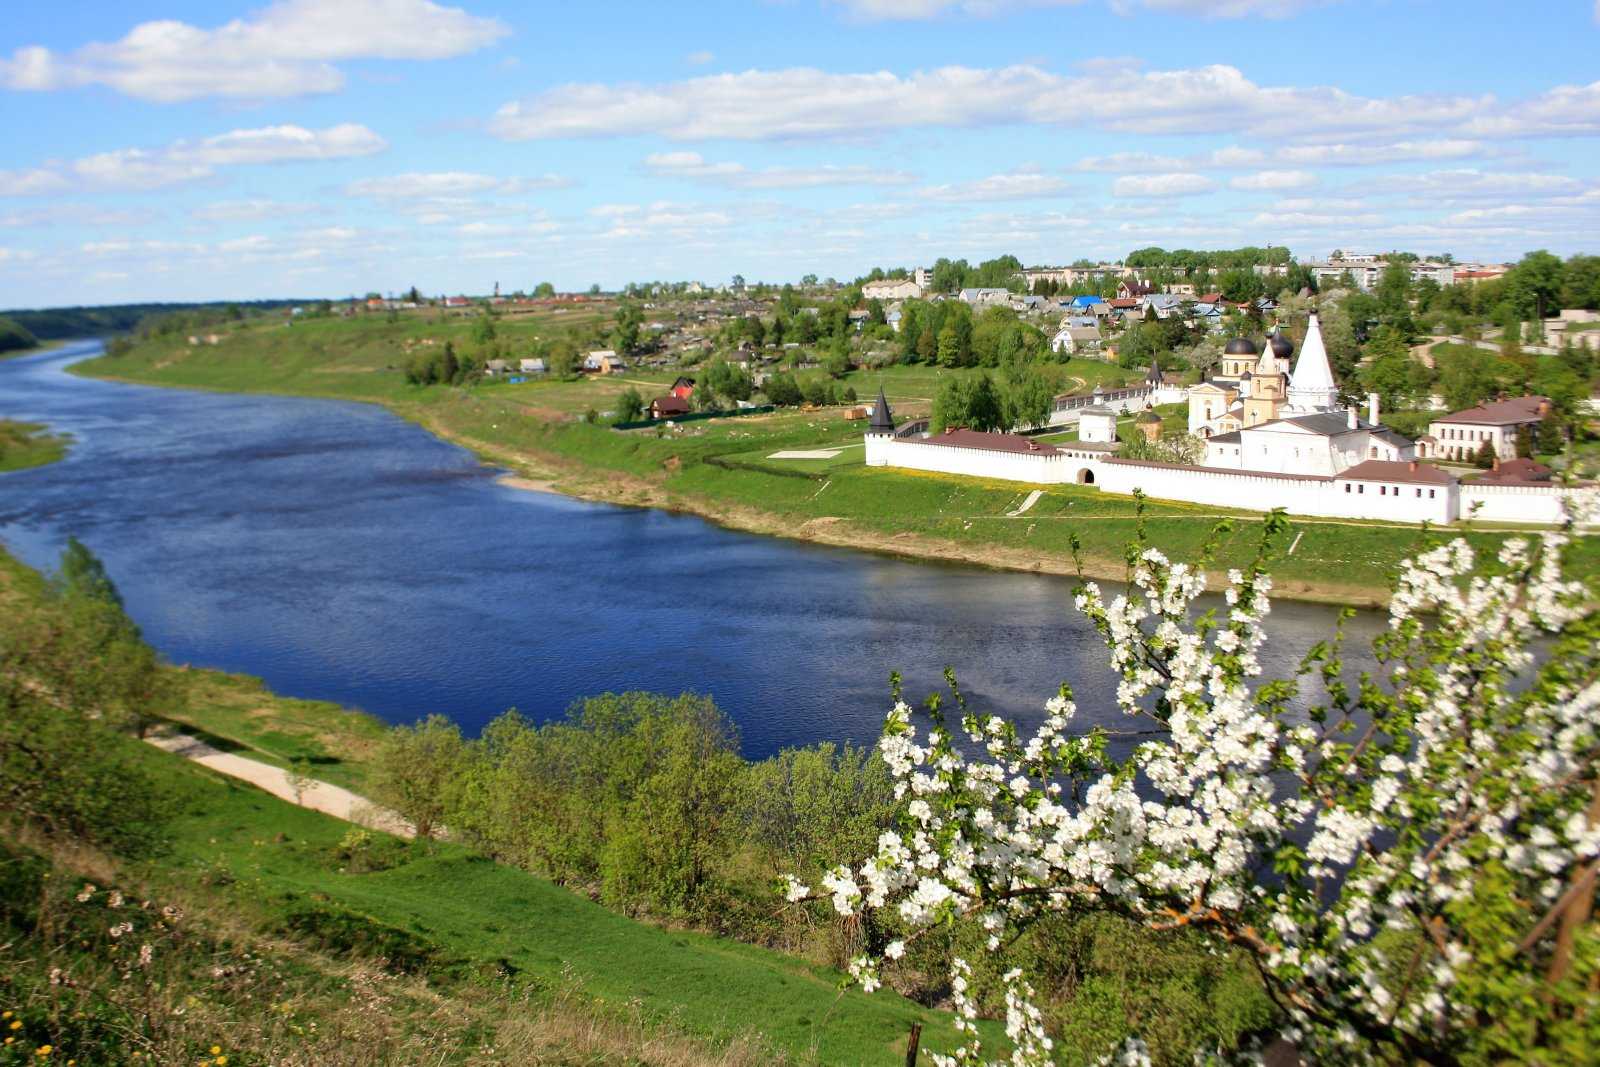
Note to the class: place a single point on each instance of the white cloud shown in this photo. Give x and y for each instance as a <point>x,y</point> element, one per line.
<point>455,183</point>
<point>1176,184</point>
<point>692,165</point>
<point>1129,163</point>
<point>190,161</point>
<point>806,102</point>
<point>248,210</point>
<point>1017,185</point>
<point>75,215</point>
<point>1220,9</point>
<point>1361,155</point>
<point>1274,180</point>
<point>286,49</point>
<point>911,10</point>
<point>37,182</point>
<point>1313,220</point>
<point>279,144</point>
<point>1476,184</point>
<point>1565,111</point>
<point>1318,203</point>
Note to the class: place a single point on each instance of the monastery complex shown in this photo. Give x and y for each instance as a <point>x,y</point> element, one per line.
<point>1275,434</point>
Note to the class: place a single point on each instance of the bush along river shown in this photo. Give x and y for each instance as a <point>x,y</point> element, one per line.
<point>341,553</point>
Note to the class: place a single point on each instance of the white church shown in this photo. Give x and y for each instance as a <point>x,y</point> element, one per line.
<point>1289,423</point>
<point>1274,437</point>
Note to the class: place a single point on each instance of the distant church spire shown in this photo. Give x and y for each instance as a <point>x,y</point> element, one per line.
<point>882,417</point>
<point>1311,387</point>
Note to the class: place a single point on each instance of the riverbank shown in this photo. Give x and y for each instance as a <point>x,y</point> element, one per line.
<point>734,472</point>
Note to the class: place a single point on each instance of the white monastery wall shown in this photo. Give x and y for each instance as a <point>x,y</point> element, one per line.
<point>1298,495</point>
<point>1514,503</point>
<point>1043,468</point>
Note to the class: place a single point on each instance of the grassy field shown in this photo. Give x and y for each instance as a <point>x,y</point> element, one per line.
<point>26,444</point>
<point>722,468</point>
<point>454,932</point>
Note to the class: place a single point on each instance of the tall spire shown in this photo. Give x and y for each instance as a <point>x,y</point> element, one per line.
<point>1311,387</point>
<point>882,417</point>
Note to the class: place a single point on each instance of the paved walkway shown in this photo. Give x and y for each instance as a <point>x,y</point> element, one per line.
<point>318,796</point>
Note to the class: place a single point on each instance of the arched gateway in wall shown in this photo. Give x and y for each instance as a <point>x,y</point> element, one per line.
<point>1086,476</point>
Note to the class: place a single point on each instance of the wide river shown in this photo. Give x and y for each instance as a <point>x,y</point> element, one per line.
<point>341,553</point>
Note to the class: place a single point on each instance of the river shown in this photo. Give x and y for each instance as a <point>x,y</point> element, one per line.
<point>341,553</point>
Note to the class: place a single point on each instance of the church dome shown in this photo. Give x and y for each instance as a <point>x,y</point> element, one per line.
<point>1282,347</point>
<point>1241,346</point>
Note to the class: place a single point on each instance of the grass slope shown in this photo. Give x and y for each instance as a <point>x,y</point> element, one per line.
<point>462,914</point>
<point>721,468</point>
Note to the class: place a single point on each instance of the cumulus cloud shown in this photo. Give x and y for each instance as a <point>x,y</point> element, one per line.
<point>280,144</point>
<point>1176,184</point>
<point>248,210</point>
<point>662,218</point>
<point>1469,184</point>
<point>1016,185</point>
<point>1313,220</point>
<point>454,183</point>
<point>691,165</point>
<point>1274,180</point>
<point>806,102</point>
<point>190,161</point>
<point>286,49</point>
<point>1362,155</point>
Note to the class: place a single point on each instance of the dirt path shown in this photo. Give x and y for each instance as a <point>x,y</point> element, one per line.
<point>318,796</point>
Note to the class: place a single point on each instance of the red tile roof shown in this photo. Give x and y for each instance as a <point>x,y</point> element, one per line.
<point>990,442</point>
<point>1387,470</point>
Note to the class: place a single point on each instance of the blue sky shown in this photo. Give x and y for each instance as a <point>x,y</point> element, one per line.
<point>329,147</point>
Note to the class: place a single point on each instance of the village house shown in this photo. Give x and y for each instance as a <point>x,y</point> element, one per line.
<point>1076,340</point>
<point>892,289</point>
<point>604,361</point>
<point>682,388</point>
<point>985,297</point>
<point>1461,435</point>
<point>669,407</point>
<point>534,365</point>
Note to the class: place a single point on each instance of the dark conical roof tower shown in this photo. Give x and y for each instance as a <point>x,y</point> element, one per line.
<point>882,417</point>
<point>1153,375</point>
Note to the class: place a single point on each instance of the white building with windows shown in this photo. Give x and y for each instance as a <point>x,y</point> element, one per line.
<point>892,289</point>
<point>1461,435</point>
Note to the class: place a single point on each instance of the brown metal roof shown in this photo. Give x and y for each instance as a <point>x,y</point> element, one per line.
<point>1501,412</point>
<point>1386,470</point>
<point>990,442</point>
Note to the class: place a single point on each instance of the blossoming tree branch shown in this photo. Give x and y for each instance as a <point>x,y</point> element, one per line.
<point>1409,863</point>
